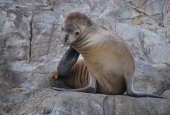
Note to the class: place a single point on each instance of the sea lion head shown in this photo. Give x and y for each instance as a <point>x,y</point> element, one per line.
<point>73,27</point>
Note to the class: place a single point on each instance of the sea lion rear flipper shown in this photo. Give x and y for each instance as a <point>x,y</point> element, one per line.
<point>59,83</point>
<point>130,91</point>
<point>91,88</point>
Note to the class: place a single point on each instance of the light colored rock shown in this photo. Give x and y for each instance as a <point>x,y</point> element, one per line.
<point>14,45</point>
<point>149,78</point>
<point>146,45</point>
<point>51,102</point>
<point>167,94</point>
<point>64,7</point>
<point>34,4</point>
<point>161,31</point>
<point>8,99</point>
<point>152,78</point>
<point>45,34</point>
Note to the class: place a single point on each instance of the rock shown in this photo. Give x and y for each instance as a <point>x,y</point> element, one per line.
<point>134,12</point>
<point>47,101</point>
<point>161,31</point>
<point>8,99</point>
<point>34,4</point>
<point>14,45</point>
<point>152,78</point>
<point>30,51</point>
<point>149,78</point>
<point>64,7</point>
<point>167,94</point>
<point>146,45</point>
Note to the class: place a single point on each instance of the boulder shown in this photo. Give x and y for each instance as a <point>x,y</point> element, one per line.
<point>47,101</point>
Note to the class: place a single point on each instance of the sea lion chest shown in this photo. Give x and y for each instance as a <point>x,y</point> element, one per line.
<point>106,57</point>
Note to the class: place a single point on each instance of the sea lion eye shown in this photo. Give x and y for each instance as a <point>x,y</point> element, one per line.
<point>77,33</point>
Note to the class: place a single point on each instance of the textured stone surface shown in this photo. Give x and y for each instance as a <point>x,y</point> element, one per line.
<point>146,45</point>
<point>30,51</point>
<point>46,101</point>
<point>150,78</point>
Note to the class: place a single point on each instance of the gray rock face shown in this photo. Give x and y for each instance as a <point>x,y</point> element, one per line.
<point>47,101</point>
<point>30,51</point>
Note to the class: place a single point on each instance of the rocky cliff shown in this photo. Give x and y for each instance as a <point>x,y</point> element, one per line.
<point>30,51</point>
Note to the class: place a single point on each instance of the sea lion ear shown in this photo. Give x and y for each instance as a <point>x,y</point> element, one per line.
<point>77,32</point>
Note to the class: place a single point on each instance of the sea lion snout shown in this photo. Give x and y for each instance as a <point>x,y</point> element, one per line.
<point>67,39</point>
<point>69,34</point>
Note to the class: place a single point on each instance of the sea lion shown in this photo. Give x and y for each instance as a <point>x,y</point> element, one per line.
<point>107,56</point>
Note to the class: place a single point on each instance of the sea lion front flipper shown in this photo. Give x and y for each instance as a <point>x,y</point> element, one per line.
<point>64,67</point>
<point>66,62</point>
<point>91,88</point>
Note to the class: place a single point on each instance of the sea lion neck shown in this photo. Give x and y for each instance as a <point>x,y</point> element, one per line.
<point>85,40</point>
